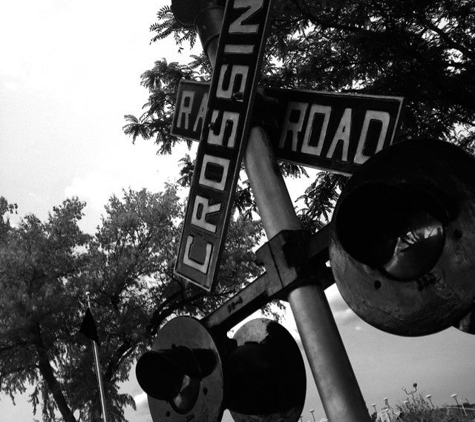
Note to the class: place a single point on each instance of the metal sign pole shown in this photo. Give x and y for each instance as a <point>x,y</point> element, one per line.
<point>97,365</point>
<point>334,376</point>
<point>336,382</point>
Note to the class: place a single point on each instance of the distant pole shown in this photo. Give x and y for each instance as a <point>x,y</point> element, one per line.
<point>429,397</point>
<point>454,396</point>
<point>411,392</point>
<point>98,369</point>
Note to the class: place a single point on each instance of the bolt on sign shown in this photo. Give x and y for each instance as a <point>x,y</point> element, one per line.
<point>223,139</point>
<point>330,131</point>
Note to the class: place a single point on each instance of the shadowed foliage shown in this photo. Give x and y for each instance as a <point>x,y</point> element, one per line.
<point>47,267</point>
<point>421,50</point>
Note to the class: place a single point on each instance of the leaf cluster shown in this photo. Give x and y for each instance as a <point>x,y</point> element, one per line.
<point>421,50</point>
<point>420,410</point>
<point>46,268</point>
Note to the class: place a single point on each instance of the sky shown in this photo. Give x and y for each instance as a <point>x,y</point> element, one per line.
<point>69,72</point>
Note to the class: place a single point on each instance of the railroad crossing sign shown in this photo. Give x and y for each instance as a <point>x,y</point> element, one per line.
<point>224,133</point>
<point>331,131</point>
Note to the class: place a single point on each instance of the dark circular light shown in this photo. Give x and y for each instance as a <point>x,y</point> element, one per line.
<point>418,247</point>
<point>186,398</point>
<point>171,375</point>
<point>394,228</point>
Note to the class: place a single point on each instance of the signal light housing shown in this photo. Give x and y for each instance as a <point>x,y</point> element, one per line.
<point>401,237</point>
<point>263,378</point>
<point>182,374</point>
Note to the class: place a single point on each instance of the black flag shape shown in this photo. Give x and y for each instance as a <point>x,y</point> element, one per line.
<point>88,327</point>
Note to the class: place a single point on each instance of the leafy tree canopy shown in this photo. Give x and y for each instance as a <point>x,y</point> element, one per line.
<point>419,49</point>
<point>47,267</point>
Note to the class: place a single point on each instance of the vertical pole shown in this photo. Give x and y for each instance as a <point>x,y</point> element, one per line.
<point>336,382</point>
<point>100,381</point>
<point>339,391</point>
<point>208,25</point>
<point>97,364</point>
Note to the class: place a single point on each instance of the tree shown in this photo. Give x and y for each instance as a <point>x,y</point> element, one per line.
<point>37,304</point>
<point>419,49</point>
<point>127,266</point>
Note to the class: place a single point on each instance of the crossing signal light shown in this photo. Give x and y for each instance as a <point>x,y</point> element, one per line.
<point>182,371</point>
<point>399,229</point>
<point>182,374</point>
<point>401,237</point>
<point>264,374</point>
<point>259,375</point>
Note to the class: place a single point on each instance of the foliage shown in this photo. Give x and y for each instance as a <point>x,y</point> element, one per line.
<point>6,210</point>
<point>38,263</point>
<point>46,268</point>
<point>421,50</point>
<point>419,410</point>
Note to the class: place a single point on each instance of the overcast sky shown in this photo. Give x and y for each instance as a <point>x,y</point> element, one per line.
<point>69,72</point>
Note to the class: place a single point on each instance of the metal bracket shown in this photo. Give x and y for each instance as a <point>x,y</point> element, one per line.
<point>291,258</point>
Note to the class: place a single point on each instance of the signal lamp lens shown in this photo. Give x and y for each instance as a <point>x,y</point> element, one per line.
<point>397,229</point>
<point>171,375</point>
<point>417,248</point>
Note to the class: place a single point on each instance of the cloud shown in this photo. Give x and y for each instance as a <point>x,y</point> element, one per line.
<point>95,188</point>
<point>126,166</point>
<point>341,311</point>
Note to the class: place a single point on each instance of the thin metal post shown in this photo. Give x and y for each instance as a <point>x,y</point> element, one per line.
<point>336,382</point>
<point>97,364</point>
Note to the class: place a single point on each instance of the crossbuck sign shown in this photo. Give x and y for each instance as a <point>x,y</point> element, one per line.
<point>324,130</point>
<point>225,131</point>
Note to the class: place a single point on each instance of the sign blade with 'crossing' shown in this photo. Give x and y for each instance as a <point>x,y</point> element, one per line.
<point>225,128</point>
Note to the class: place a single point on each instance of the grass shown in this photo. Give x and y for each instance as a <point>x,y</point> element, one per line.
<point>420,410</point>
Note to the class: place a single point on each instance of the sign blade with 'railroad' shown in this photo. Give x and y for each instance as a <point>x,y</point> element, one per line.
<point>224,134</point>
<point>330,131</point>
